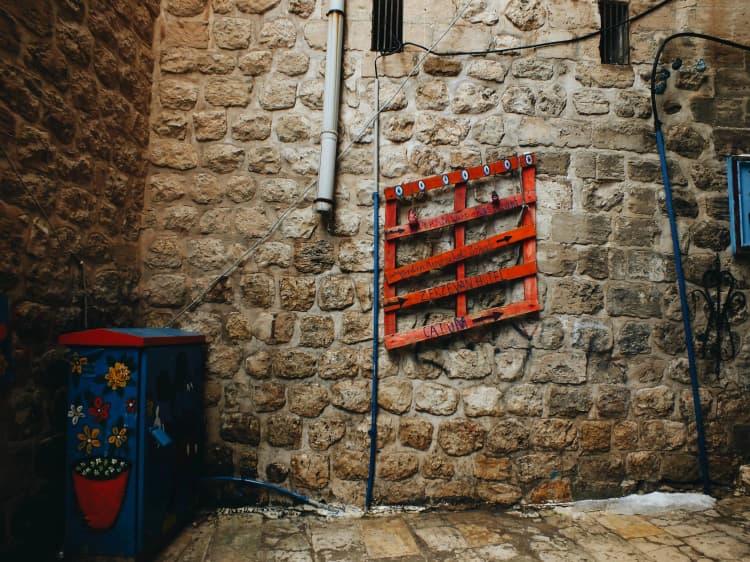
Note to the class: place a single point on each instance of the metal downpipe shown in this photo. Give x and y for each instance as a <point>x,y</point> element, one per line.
<point>331,97</point>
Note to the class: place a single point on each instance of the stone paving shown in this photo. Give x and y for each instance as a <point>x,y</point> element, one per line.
<point>547,535</point>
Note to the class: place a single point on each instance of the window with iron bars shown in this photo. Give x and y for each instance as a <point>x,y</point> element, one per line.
<point>614,41</point>
<point>387,26</point>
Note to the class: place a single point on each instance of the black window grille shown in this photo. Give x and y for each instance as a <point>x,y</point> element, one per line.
<point>614,41</point>
<point>387,25</point>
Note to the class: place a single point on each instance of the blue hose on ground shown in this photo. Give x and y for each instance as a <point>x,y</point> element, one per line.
<point>702,457</point>
<point>375,315</point>
<point>278,489</point>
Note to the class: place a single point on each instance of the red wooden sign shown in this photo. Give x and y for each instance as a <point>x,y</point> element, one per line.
<point>524,235</point>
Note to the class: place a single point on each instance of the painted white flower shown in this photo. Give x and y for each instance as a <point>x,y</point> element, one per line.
<point>75,413</point>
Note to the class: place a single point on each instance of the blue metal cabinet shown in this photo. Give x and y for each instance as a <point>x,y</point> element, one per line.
<point>134,436</point>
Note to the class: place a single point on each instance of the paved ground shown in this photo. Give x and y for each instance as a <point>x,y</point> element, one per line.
<point>549,535</point>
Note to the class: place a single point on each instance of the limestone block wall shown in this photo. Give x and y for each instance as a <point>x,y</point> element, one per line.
<point>75,83</point>
<point>591,396</point>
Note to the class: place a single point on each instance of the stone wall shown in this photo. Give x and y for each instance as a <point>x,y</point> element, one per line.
<point>75,84</point>
<point>590,397</point>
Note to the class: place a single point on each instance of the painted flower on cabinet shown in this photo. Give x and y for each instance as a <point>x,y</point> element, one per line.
<point>130,405</point>
<point>76,413</point>
<point>89,439</point>
<point>100,410</point>
<point>119,436</point>
<point>118,376</point>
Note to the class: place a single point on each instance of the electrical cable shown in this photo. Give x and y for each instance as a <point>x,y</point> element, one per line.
<point>702,454</point>
<point>555,43</point>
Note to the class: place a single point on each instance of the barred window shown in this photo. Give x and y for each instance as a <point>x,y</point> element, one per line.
<point>614,41</point>
<point>387,25</point>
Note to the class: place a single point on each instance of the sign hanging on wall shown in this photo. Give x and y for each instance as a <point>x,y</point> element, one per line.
<point>479,253</point>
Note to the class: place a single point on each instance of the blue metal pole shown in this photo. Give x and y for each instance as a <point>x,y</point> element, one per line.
<point>375,330</point>
<point>702,457</point>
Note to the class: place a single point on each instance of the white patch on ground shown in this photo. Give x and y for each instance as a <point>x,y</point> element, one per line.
<point>645,504</point>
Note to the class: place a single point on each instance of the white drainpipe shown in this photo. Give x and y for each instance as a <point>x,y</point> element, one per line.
<point>330,132</point>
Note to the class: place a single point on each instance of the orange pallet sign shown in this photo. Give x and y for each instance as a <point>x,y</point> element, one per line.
<point>523,237</point>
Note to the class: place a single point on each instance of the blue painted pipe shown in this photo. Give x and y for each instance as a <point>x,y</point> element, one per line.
<point>268,486</point>
<point>375,316</point>
<point>702,457</point>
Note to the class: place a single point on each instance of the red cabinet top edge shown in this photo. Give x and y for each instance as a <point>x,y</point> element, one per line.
<point>131,337</point>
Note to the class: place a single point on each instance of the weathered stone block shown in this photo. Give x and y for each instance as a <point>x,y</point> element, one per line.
<point>264,159</point>
<point>643,465</point>
<point>173,154</point>
<point>233,33</point>
<point>524,400</point>
<point>656,402</point>
<point>415,432</point>
<point>297,293</point>
<point>612,400</point>
<point>555,434</point>
<point>255,63</point>
<point>355,327</point>
<point>210,125</point>
<point>576,296</point>
<point>316,331</point>
<point>166,290</point>
<point>581,229</point>
<point>293,364</point>
<point>634,299</point>
<point>251,222</point>
<point>685,141</point>
<point>591,102</point>
<point>560,368</point>
<point>526,15</point>
<point>663,435</point>
<point>492,468</point>
<point>216,63</point>
<point>268,396</point>
<point>595,435</point>
<point>325,432</point>
<point>490,70</point>
<point>278,33</point>
<point>338,363</point>
<point>284,430</point>
<point>437,130</point>
<point>625,435</point>
<point>519,99</point>
<point>507,436</point>
<point>470,98</point>
<point>222,158</point>
<point>178,94</point>
<point>592,335</point>
<point>251,126</point>
<point>432,94</point>
<point>350,465</point>
<point>441,66</point>
<point>604,76</point>
<point>459,437</point>
<point>395,395</point>
<point>482,401</point>
<point>240,427</point>
<point>278,94</point>
<point>634,339</point>
<point>309,470</point>
<point>601,468</point>
<point>228,92</point>
<point>258,289</point>
<point>351,395</point>
<point>568,402</point>
<point>436,399</point>
<point>634,137</point>
<point>237,327</point>
<point>469,364</point>
<point>397,466</point>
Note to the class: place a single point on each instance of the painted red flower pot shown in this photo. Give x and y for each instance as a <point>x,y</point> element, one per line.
<point>100,486</point>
